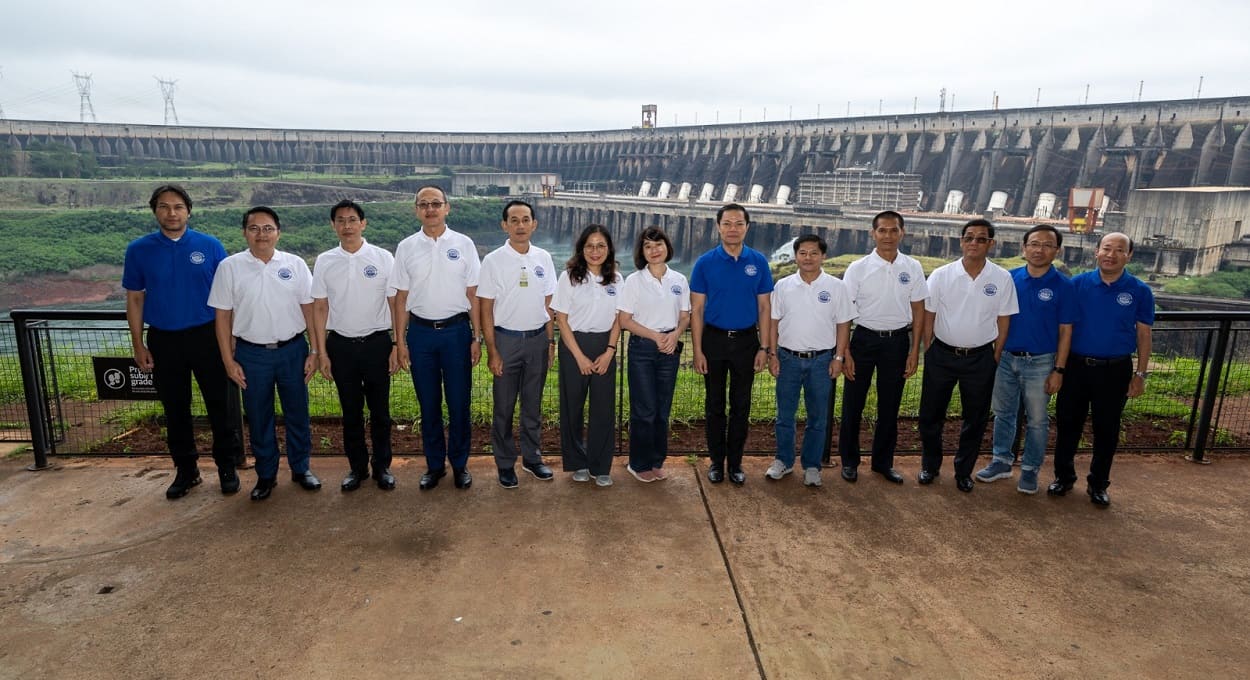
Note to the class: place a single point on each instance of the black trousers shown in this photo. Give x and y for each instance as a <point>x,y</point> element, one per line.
<point>887,357</point>
<point>1100,389</point>
<point>730,360</point>
<point>974,374</point>
<point>176,357</point>
<point>583,446</point>
<point>361,371</point>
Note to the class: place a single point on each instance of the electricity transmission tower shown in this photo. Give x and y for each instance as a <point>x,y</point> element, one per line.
<point>83,83</point>
<point>167,91</point>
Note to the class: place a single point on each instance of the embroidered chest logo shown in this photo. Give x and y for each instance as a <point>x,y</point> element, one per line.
<point>904,278</point>
<point>197,257</point>
<point>751,270</point>
<point>676,290</point>
<point>1125,299</point>
<point>610,290</point>
<point>1045,295</point>
<point>538,271</point>
<point>286,274</point>
<point>990,290</point>
<point>453,254</point>
<point>824,296</point>
<point>371,271</point>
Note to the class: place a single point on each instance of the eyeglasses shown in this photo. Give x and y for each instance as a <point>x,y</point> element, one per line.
<point>976,239</point>
<point>1038,244</point>
<point>431,205</point>
<point>267,229</point>
<point>347,220</point>
<point>595,246</point>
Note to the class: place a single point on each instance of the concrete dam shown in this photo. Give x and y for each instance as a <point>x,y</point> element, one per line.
<point>967,161</point>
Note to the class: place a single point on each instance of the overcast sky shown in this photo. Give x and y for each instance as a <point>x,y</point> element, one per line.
<point>470,65</point>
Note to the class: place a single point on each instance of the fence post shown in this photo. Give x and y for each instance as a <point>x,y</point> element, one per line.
<point>1213,388</point>
<point>36,400</point>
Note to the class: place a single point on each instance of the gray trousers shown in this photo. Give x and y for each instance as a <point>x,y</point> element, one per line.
<point>585,447</point>
<point>524,373</point>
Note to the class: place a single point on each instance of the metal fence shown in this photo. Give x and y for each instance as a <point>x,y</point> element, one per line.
<point>1197,399</point>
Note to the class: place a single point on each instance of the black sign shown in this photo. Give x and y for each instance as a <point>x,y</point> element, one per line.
<point>120,378</point>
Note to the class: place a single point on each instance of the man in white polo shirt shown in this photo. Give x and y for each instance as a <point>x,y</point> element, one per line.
<point>264,304</point>
<point>517,282</point>
<point>352,329</point>
<point>967,316</point>
<point>889,290</point>
<point>435,312</point>
<point>813,312</point>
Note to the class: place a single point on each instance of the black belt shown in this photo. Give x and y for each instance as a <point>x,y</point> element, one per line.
<point>963,351</point>
<point>885,334</point>
<point>440,323</point>
<point>811,354</point>
<point>1029,354</point>
<point>1103,361</point>
<point>363,338</point>
<point>520,334</point>
<point>269,345</point>
<point>736,333</point>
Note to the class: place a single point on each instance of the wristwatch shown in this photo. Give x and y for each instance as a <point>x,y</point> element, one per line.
<point>1058,369</point>
<point>838,357</point>
<point>1141,374</point>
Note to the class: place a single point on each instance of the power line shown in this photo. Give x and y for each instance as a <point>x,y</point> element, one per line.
<point>83,83</point>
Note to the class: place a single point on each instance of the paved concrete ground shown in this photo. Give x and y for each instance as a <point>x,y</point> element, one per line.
<point>101,577</point>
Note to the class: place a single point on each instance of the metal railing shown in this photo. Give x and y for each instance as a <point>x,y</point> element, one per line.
<point>1197,399</point>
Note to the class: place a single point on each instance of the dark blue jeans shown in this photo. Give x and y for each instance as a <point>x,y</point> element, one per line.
<point>652,379</point>
<point>282,368</point>
<point>440,362</point>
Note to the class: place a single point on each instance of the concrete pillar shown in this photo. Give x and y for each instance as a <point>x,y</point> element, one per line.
<point>757,193</point>
<point>683,194</point>
<point>645,189</point>
<point>705,194</point>
<point>665,187</point>
<point>731,193</point>
<point>783,195</point>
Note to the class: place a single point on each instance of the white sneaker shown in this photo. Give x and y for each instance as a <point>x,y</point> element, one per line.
<point>811,477</point>
<point>778,470</point>
<point>603,480</point>
<point>582,475</point>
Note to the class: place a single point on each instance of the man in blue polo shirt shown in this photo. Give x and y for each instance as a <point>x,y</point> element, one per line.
<point>167,277</point>
<point>1116,311</point>
<point>1033,360</point>
<point>730,311</point>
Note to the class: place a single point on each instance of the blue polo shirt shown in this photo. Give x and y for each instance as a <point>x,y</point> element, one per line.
<point>175,277</point>
<point>731,286</point>
<point>1108,314</point>
<point>1045,302</point>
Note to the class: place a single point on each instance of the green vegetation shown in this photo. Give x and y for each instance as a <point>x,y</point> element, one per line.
<point>1226,284</point>
<point>41,242</point>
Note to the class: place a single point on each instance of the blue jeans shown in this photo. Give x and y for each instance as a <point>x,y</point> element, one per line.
<point>652,379</point>
<point>441,363</point>
<point>264,369</point>
<point>812,375</point>
<point>1022,378</point>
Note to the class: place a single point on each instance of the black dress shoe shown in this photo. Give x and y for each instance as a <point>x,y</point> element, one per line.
<point>507,478</point>
<point>229,481</point>
<point>429,480</point>
<point>850,473</point>
<point>307,480</point>
<point>891,475</point>
<point>462,478</point>
<point>186,478</point>
<point>737,476</point>
<point>385,480</point>
<point>352,481</point>
<point>1098,497</point>
<point>964,484</point>
<point>1059,488</point>
<point>539,470</point>
<point>926,477</point>
<point>263,488</point>
<point>716,473</point>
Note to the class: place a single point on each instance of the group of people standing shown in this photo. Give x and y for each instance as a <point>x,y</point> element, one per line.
<point>262,320</point>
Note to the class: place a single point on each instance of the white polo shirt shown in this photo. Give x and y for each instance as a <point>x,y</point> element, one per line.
<point>591,306</point>
<point>883,291</point>
<point>808,314</point>
<point>656,304</point>
<point>519,283</point>
<point>265,296</point>
<point>436,272</point>
<point>968,309</point>
<point>355,285</point>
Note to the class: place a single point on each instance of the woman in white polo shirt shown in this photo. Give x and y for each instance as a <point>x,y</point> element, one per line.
<point>655,309</point>
<point>585,307</point>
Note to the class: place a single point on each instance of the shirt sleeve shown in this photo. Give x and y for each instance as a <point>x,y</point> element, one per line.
<point>1010,305</point>
<point>551,280</point>
<point>388,261</point>
<point>698,277</point>
<point>934,285</point>
<point>920,289</point>
<point>132,272</point>
<point>1069,310</point>
<point>684,304</point>
<point>473,266</point>
<point>766,277</point>
<point>628,299</point>
<point>564,292</point>
<point>398,280</point>
<point>221,295</point>
<point>846,309</point>
<point>305,297</point>
<point>486,285</point>
<point>319,278</point>
<point>1146,305</point>
<point>776,303</point>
